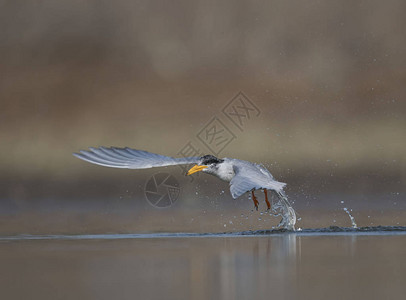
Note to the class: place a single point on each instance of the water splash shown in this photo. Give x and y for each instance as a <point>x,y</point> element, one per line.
<point>354,225</point>
<point>284,209</point>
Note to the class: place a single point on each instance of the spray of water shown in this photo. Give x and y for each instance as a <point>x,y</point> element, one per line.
<point>354,225</point>
<point>284,209</point>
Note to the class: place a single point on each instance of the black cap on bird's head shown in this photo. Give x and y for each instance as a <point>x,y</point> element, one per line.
<point>210,159</point>
<point>204,162</point>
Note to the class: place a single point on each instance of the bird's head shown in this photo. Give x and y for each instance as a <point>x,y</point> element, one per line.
<point>208,164</point>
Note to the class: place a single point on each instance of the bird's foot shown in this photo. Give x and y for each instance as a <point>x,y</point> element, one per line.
<point>256,203</point>
<point>266,200</point>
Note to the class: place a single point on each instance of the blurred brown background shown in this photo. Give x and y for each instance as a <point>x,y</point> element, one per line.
<point>328,79</point>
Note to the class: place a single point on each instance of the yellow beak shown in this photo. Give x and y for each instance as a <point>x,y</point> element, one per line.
<point>196,168</point>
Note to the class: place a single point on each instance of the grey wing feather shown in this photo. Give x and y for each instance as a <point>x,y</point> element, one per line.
<point>247,178</point>
<point>128,158</point>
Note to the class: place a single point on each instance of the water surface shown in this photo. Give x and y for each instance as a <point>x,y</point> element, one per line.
<point>302,265</point>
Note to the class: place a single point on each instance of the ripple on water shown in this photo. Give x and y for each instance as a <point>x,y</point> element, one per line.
<point>332,230</point>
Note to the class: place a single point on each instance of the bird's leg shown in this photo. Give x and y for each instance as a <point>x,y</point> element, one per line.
<point>266,199</point>
<point>255,200</point>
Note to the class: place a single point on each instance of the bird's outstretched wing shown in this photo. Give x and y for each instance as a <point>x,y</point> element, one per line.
<point>128,158</point>
<point>247,178</point>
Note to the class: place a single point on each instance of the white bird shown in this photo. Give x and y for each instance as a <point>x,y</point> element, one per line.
<point>243,176</point>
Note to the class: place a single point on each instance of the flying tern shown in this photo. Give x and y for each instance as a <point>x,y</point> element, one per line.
<point>243,176</point>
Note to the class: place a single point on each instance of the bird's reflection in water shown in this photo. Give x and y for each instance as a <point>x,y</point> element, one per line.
<point>247,267</point>
<point>258,267</point>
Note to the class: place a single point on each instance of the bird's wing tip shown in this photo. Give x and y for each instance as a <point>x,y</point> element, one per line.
<point>79,155</point>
